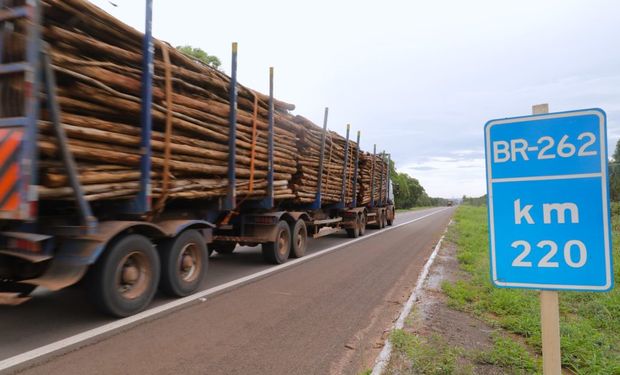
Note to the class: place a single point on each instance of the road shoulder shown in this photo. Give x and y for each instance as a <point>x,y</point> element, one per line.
<point>439,339</point>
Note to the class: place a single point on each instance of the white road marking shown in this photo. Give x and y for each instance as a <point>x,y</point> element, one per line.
<point>48,349</point>
<point>386,352</point>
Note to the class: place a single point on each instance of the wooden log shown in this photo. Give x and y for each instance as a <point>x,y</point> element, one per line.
<point>98,63</point>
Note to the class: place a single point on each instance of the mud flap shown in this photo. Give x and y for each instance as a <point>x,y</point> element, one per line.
<point>59,275</point>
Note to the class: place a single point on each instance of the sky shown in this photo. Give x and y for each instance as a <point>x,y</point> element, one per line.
<point>418,78</point>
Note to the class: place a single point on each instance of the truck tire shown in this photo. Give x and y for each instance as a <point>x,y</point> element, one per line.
<point>299,234</point>
<point>277,252</point>
<point>362,224</point>
<point>355,231</point>
<point>184,263</point>
<point>223,247</point>
<point>379,220</point>
<point>385,218</point>
<point>124,279</point>
<point>390,218</point>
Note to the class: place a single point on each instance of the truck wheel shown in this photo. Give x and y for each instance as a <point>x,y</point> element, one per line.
<point>223,247</point>
<point>184,262</point>
<point>362,227</point>
<point>125,277</point>
<point>300,239</point>
<point>390,218</point>
<point>379,220</point>
<point>355,231</point>
<point>277,252</point>
<point>384,223</point>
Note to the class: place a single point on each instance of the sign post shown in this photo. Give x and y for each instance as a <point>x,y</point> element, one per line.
<point>549,310</point>
<point>549,224</point>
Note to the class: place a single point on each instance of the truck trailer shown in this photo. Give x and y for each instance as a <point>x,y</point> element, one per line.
<point>132,191</point>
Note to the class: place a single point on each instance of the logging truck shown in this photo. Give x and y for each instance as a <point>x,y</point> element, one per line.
<point>114,235</point>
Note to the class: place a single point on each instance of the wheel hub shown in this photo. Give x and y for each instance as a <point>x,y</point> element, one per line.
<point>188,262</point>
<point>300,238</point>
<point>130,274</point>
<point>282,244</point>
<point>133,275</point>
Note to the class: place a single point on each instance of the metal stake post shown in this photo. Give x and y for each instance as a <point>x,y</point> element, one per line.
<point>355,167</point>
<point>317,200</point>
<point>86,214</point>
<point>270,192</point>
<point>372,177</point>
<point>387,191</point>
<point>143,200</point>
<point>344,169</point>
<point>381,181</point>
<point>232,133</point>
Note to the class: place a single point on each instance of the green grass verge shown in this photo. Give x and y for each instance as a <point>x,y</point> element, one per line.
<point>433,355</point>
<point>508,354</point>
<point>428,356</point>
<point>590,322</point>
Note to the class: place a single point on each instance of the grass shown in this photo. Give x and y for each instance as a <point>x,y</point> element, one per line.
<point>590,322</point>
<point>427,356</point>
<point>508,354</point>
<point>435,356</point>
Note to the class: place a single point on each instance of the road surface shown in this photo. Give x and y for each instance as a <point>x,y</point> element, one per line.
<point>324,315</point>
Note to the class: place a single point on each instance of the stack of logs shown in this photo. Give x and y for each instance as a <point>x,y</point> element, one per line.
<point>367,169</point>
<point>306,180</point>
<point>98,65</point>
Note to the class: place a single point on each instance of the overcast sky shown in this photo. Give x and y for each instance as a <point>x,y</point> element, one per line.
<point>418,78</point>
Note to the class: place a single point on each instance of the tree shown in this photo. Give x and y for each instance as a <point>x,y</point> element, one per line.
<point>614,175</point>
<point>407,191</point>
<point>201,55</point>
<point>474,201</point>
<point>616,155</point>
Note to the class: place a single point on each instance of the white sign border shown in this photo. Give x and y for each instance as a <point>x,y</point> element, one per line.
<point>608,269</point>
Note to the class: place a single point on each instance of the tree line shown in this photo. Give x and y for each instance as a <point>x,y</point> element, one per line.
<point>614,174</point>
<point>474,201</point>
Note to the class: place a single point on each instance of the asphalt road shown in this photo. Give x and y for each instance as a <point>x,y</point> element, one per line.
<point>324,315</point>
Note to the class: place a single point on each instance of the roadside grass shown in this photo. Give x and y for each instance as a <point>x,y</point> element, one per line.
<point>508,354</point>
<point>428,356</point>
<point>590,322</point>
<point>433,355</point>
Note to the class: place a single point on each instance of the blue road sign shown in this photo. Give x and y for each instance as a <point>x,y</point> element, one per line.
<point>548,200</point>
